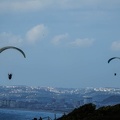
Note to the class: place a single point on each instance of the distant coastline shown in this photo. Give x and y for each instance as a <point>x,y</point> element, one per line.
<point>23,114</point>
<point>44,111</point>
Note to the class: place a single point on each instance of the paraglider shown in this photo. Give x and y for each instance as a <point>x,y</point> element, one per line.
<point>12,47</point>
<point>10,76</point>
<point>113,59</point>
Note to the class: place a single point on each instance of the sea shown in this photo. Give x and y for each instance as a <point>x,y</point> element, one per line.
<point>9,114</point>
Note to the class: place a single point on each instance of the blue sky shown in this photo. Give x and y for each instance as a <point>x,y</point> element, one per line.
<point>67,42</point>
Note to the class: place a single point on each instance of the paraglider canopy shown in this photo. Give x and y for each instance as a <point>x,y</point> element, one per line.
<point>113,58</point>
<point>12,47</point>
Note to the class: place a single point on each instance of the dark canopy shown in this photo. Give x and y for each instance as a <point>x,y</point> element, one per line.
<point>113,58</point>
<point>12,47</point>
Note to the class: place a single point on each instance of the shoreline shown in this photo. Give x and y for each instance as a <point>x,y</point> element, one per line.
<point>32,110</point>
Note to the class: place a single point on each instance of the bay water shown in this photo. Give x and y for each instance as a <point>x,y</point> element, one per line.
<point>9,114</point>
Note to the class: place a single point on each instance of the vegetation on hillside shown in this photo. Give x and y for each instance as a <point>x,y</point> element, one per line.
<point>89,112</point>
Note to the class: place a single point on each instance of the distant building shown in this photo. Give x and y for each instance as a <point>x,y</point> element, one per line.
<point>1,103</point>
<point>87,99</point>
<point>80,103</point>
<point>12,103</point>
<point>7,103</point>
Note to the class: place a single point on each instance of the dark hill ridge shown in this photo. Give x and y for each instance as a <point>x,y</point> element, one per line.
<point>89,112</point>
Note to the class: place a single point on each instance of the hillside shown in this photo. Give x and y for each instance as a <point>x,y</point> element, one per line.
<point>112,99</point>
<point>89,112</point>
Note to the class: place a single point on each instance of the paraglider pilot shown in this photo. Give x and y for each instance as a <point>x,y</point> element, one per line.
<point>10,76</point>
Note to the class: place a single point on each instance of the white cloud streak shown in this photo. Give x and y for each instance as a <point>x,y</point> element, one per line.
<point>63,39</point>
<point>82,42</point>
<point>37,33</point>
<point>31,5</point>
<point>60,38</point>
<point>23,5</point>
<point>10,39</point>
<point>115,45</point>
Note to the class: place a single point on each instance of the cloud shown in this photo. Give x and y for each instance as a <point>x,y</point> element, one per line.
<point>63,38</point>
<point>59,38</point>
<point>115,45</point>
<point>36,33</point>
<point>31,5</point>
<point>23,5</point>
<point>10,39</point>
<point>82,42</point>
<point>31,36</point>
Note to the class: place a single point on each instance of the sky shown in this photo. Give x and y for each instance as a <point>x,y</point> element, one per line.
<point>67,43</point>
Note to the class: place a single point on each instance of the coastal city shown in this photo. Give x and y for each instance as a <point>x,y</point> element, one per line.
<point>55,99</point>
